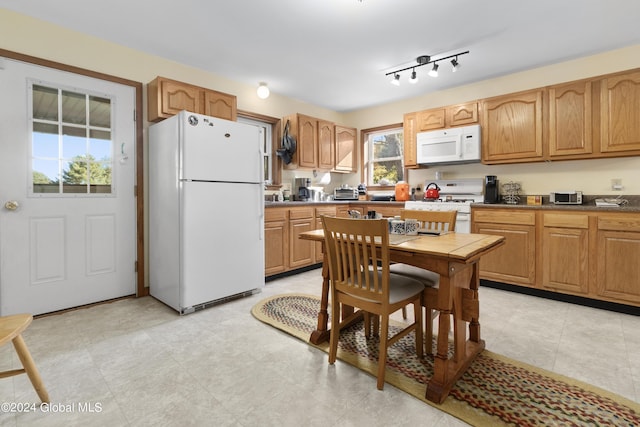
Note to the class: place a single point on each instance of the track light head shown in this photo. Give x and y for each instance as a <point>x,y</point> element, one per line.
<point>455,64</point>
<point>414,78</point>
<point>396,79</point>
<point>434,70</point>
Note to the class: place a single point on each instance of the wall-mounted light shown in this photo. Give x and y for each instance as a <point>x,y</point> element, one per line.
<point>424,60</point>
<point>263,90</point>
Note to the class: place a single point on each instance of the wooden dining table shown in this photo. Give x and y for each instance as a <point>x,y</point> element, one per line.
<point>455,257</point>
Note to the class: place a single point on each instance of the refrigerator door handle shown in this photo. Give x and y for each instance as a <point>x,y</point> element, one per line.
<point>261,218</point>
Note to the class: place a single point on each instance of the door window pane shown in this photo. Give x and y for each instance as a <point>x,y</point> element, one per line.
<point>72,146</point>
<point>74,108</point>
<point>45,103</point>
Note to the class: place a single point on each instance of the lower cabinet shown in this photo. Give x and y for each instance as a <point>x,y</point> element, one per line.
<point>301,252</point>
<point>283,248</point>
<point>593,254</point>
<point>565,252</point>
<point>276,233</point>
<point>618,269</point>
<point>515,261</point>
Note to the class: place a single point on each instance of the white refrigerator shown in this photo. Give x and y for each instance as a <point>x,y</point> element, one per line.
<point>206,211</point>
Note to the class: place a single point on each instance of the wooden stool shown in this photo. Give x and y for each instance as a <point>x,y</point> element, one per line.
<point>11,328</point>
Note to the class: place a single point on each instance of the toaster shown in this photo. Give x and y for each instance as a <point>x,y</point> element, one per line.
<point>345,194</point>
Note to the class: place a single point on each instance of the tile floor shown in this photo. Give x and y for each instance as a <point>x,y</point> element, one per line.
<point>135,362</point>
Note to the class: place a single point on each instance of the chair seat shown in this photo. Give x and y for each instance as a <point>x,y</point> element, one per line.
<point>401,287</point>
<point>426,277</point>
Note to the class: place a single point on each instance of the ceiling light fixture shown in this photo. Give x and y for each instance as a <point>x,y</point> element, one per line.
<point>424,60</point>
<point>263,91</point>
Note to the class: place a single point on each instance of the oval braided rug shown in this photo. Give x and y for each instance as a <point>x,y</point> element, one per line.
<point>495,390</point>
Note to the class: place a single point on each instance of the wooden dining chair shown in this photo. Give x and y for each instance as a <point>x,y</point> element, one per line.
<point>11,328</point>
<point>437,221</point>
<point>358,256</point>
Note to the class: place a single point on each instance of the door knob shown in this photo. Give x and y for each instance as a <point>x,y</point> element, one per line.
<point>11,205</point>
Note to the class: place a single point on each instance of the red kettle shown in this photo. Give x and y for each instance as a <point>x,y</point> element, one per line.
<point>432,193</point>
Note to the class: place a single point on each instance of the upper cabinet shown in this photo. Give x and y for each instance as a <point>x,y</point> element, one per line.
<point>620,113</point>
<point>512,127</point>
<point>570,119</point>
<point>321,144</point>
<point>326,145</point>
<point>346,151</point>
<point>167,97</point>
<point>450,116</point>
<point>315,142</point>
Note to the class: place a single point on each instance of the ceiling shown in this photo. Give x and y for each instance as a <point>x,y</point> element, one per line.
<point>335,53</point>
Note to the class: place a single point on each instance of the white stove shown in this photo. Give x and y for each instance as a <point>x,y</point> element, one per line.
<point>455,194</point>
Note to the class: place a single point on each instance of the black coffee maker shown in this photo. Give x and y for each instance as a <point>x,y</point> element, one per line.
<point>491,189</point>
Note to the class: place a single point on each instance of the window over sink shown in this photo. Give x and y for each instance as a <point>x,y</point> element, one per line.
<point>383,155</point>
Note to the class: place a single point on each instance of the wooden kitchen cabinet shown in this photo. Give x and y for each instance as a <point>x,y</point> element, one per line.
<point>315,140</point>
<point>570,120</point>
<point>565,252</point>
<point>618,252</point>
<point>620,113</point>
<point>301,252</point>
<point>346,149</point>
<point>449,116</point>
<point>409,128</point>
<point>326,145</point>
<point>515,261</point>
<point>512,128</point>
<point>168,97</point>
<point>276,242</point>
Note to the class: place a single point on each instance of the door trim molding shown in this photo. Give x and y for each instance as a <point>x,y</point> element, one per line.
<point>141,289</point>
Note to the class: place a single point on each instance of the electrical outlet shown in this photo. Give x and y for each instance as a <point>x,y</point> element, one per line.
<point>616,184</point>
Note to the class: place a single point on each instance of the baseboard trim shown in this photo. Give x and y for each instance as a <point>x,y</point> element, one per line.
<point>292,272</point>
<point>573,299</point>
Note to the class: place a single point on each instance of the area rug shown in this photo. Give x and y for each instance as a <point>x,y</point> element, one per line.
<point>494,391</point>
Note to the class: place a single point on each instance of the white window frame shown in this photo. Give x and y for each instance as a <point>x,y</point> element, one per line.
<point>369,136</point>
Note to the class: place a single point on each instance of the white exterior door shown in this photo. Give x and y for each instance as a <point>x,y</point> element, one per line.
<point>67,202</point>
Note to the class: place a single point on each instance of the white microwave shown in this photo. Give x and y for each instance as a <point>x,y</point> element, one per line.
<point>453,145</point>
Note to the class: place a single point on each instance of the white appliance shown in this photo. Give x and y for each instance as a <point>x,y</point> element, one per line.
<point>448,146</point>
<point>206,211</point>
<point>455,194</point>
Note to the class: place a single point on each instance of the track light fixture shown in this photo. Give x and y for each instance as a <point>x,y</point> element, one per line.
<point>424,60</point>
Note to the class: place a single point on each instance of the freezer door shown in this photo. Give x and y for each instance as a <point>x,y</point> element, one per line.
<point>222,246</point>
<point>219,150</point>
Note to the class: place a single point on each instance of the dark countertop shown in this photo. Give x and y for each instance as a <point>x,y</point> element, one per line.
<point>332,202</point>
<point>588,204</point>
